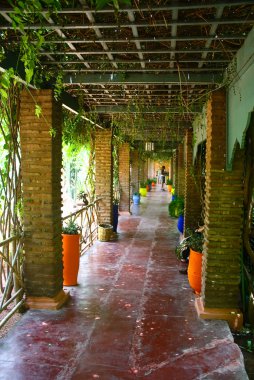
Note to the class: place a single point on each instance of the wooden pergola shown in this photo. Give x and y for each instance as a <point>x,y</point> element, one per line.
<point>170,67</point>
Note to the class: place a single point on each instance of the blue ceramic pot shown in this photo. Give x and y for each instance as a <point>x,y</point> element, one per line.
<point>136,199</point>
<point>180,223</point>
<point>115,217</point>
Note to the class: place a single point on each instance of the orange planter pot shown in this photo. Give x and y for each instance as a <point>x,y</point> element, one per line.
<point>194,270</point>
<point>169,188</point>
<point>71,256</point>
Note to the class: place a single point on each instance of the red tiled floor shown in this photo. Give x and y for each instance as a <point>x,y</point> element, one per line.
<point>132,316</point>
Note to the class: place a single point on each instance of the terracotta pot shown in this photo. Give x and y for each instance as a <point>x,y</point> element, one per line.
<point>153,184</point>
<point>169,188</point>
<point>71,256</point>
<point>195,270</point>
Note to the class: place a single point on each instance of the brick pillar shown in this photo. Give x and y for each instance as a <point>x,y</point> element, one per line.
<point>142,177</point>
<point>181,171</point>
<point>104,174</point>
<point>174,169</point>
<point>124,178</point>
<point>192,202</point>
<point>223,222</point>
<point>41,175</point>
<point>145,170</point>
<point>171,172</point>
<point>134,170</point>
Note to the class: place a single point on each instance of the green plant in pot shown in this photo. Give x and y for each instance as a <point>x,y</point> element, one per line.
<point>195,240</point>
<point>71,228</point>
<point>82,196</point>
<point>71,252</point>
<point>176,207</point>
<point>169,182</point>
<point>142,189</point>
<point>136,198</point>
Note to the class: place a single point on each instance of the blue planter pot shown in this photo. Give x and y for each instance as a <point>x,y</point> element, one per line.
<point>173,197</point>
<point>180,223</point>
<point>136,199</point>
<point>115,217</point>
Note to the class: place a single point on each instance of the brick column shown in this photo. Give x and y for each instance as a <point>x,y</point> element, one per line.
<point>142,176</point>
<point>174,169</point>
<point>192,203</point>
<point>171,171</point>
<point>223,222</point>
<point>104,174</point>
<point>41,162</point>
<point>181,171</point>
<point>124,178</point>
<point>134,170</point>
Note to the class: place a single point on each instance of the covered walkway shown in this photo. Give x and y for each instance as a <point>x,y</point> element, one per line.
<point>132,316</point>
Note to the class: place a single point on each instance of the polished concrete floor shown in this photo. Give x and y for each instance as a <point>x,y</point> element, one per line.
<point>132,316</point>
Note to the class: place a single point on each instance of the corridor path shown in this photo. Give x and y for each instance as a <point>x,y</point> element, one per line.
<point>132,316</point>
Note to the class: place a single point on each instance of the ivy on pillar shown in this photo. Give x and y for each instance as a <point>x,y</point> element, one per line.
<point>223,222</point>
<point>124,178</point>
<point>192,202</point>
<point>104,174</point>
<point>41,163</point>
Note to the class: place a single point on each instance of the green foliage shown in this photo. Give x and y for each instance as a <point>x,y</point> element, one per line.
<point>77,130</point>
<point>169,182</point>
<point>24,14</point>
<point>71,228</point>
<point>11,208</point>
<point>38,110</point>
<point>6,79</point>
<point>142,185</point>
<point>176,207</point>
<point>76,169</point>
<point>195,240</point>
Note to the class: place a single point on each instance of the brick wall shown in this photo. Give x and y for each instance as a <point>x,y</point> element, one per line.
<point>223,213</point>
<point>192,202</point>
<point>134,170</point>
<point>180,171</point>
<point>124,177</point>
<point>104,173</point>
<point>41,176</point>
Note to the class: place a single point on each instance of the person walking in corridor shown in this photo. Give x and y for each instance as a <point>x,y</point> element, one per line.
<point>163,174</point>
